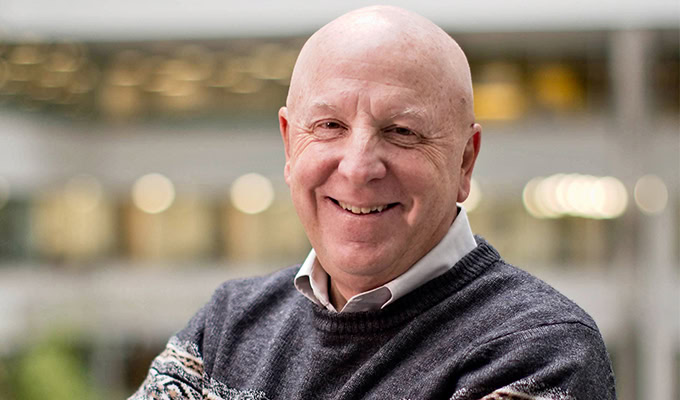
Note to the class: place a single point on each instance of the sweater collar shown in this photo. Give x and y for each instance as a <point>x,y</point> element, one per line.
<point>415,303</point>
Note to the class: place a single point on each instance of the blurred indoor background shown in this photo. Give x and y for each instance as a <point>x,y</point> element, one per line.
<point>141,165</point>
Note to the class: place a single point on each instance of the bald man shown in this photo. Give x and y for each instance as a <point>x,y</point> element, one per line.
<point>397,299</point>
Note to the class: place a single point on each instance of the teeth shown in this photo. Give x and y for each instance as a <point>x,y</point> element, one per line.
<point>361,210</point>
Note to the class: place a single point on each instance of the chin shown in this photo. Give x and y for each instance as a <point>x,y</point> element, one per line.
<point>370,264</point>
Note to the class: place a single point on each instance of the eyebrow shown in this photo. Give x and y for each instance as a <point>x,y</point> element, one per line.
<point>323,105</point>
<point>416,113</point>
<point>409,112</point>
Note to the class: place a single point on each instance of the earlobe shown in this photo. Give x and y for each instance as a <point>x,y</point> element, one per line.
<point>468,163</point>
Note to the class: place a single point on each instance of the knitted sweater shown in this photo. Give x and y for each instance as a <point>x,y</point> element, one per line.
<point>484,329</point>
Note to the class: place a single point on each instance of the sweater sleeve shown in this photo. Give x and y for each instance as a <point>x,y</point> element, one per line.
<point>562,361</point>
<point>177,373</point>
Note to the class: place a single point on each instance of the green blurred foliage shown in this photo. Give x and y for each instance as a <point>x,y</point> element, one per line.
<point>49,370</point>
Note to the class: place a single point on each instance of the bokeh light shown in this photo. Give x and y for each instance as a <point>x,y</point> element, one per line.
<point>651,194</point>
<point>252,193</point>
<point>153,193</point>
<point>498,92</point>
<point>83,193</point>
<point>575,195</point>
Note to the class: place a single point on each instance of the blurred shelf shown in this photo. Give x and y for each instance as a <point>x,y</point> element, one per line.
<point>112,303</point>
<point>119,302</point>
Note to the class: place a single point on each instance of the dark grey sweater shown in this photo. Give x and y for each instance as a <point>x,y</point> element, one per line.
<point>484,328</point>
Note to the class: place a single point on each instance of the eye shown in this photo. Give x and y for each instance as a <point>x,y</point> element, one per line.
<point>330,125</point>
<point>329,129</point>
<point>401,136</point>
<point>401,131</point>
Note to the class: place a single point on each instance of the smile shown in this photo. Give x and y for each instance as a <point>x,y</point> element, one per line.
<point>362,210</point>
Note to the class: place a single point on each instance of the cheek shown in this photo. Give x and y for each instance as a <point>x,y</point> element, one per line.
<point>431,181</point>
<point>426,167</point>
<point>310,167</point>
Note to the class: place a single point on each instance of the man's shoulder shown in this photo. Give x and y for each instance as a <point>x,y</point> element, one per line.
<point>249,289</point>
<point>519,325</point>
<point>514,300</point>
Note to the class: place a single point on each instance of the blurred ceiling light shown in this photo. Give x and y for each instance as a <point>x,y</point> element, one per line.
<point>153,193</point>
<point>183,96</point>
<point>85,80</point>
<point>174,67</point>
<point>180,89</point>
<point>529,199</point>
<point>252,193</point>
<point>61,61</point>
<point>83,193</point>
<point>651,194</point>
<point>241,64</point>
<point>498,93</point>
<point>54,79</point>
<point>4,192</point>
<point>563,195</point>
<point>120,101</point>
<point>26,54</point>
<point>123,77</point>
<point>225,77</point>
<point>474,198</point>
<point>247,85</point>
<point>271,62</point>
<point>614,197</point>
<point>199,62</point>
<point>556,86</point>
<point>546,194</point>
<point>288,59</point>
<point>498,101</point>
<point>577,195</point>
<point>128,69</point>
<point>160,83</point>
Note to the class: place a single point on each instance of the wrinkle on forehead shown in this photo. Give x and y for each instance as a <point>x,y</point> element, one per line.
<point>393,39</point>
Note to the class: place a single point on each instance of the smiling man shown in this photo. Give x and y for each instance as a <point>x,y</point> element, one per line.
<point>397,299</point>
<point>380,143</point>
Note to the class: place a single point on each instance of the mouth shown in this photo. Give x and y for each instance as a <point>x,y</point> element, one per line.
<point>376,209</point>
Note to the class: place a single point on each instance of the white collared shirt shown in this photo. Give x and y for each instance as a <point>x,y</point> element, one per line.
<point>312,281</point>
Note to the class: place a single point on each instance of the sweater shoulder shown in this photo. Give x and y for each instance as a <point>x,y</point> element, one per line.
<point>515,300</point>
<point>237,297</point>
<point>553,345</point>
<point>246,291</point>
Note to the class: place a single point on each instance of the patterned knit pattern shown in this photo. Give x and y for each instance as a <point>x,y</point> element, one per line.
<point>484,330</point>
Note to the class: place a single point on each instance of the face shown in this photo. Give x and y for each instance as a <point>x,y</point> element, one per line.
<point>376,159</point>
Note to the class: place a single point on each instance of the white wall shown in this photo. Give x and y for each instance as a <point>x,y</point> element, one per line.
<point>163,19</point>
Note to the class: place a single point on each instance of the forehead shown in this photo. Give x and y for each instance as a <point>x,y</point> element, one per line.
<point>390,62</point>
<point>390,86</point>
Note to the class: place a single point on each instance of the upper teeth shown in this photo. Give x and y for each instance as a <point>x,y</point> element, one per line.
<point>361,210</point>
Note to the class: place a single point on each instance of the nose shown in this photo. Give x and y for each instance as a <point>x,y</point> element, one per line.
<point>361,161</point>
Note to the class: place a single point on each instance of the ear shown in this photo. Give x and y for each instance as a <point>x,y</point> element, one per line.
<point>284,127</point>
<point>468,163</point>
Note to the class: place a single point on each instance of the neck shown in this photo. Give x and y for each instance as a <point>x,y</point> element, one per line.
<point>336,297</point>
<point>339,293</point>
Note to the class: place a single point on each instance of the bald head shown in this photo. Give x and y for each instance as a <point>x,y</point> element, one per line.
<point>390,39</point>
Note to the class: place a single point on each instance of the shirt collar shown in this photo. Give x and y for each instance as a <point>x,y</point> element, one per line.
<point>312,281</point>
